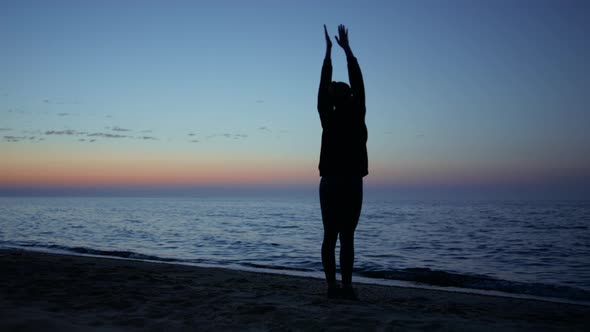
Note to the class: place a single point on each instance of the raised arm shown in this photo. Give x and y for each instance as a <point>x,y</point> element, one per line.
<point>355,76</point>
<point>324,103</point>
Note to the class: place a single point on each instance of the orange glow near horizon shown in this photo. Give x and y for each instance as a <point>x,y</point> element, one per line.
<point>127,169</point>
<point>148,172</point>
<point>44,166</point>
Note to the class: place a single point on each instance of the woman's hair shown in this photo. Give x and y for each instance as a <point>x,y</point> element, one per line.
<point>340,92</point>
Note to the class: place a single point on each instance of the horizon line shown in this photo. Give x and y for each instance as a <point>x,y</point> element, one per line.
<point>580,191</point>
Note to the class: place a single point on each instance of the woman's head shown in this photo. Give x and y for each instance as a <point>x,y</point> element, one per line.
<point>340,93</point>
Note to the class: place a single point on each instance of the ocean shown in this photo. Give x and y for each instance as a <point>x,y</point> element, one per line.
<point>531,248</point>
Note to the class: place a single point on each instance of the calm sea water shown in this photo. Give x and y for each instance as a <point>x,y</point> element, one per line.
<point>538,248</point>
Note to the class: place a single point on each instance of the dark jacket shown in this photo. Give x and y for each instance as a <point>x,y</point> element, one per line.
<point>344,135</point>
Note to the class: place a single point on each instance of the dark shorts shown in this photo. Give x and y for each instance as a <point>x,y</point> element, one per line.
<point>341,199</point>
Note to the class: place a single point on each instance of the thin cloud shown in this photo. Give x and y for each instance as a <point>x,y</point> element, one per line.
<point>5,129</point>
<point>259,101</point>
<point>115,128</point>
<point>191,134</point>
<point>91,136</point>
<point>17,111</point>
<point>194,141</point>
<point>146,131</point>
<point>147,137</point>
<point>234,136</point>
<point>67,132</point>
<point>11,138</point>
<point>264,128</point>
<point>60,102</point>
<point>106,135</point>
<point>71,132</point>
<point>64,114</point>
<point>229,136</point>
<point>86,140</point>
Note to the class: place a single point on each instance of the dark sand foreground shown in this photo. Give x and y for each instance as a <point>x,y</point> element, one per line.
<point>50,292</point>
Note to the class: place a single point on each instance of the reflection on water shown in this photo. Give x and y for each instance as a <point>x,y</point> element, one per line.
<point>530,243</point>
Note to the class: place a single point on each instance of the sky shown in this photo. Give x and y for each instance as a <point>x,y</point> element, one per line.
<point>461,95</point>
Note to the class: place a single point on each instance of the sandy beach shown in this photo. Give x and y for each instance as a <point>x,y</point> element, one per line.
<point>53,292</point>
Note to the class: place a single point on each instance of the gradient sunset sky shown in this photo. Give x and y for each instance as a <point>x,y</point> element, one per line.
<point>486,94</point>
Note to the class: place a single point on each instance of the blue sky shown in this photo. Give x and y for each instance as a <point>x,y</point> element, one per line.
<point>458,92</point>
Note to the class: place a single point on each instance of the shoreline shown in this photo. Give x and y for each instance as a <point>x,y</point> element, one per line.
<point>71,293</point>
<point>313,274</point>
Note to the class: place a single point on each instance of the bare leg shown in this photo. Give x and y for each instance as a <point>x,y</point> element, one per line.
<point>329,219</point>
<point>353,202</point>
<point>346,256</point>
<point>341,201</point>
<point>329,256</point>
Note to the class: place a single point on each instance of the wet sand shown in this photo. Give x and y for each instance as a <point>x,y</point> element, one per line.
<point>53,292</point>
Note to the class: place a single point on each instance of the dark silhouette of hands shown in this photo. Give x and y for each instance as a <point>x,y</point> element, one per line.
<point>328,41</point>
<point>343,40</point>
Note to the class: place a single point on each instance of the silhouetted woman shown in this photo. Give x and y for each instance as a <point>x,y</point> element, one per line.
<point>343,163</point>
